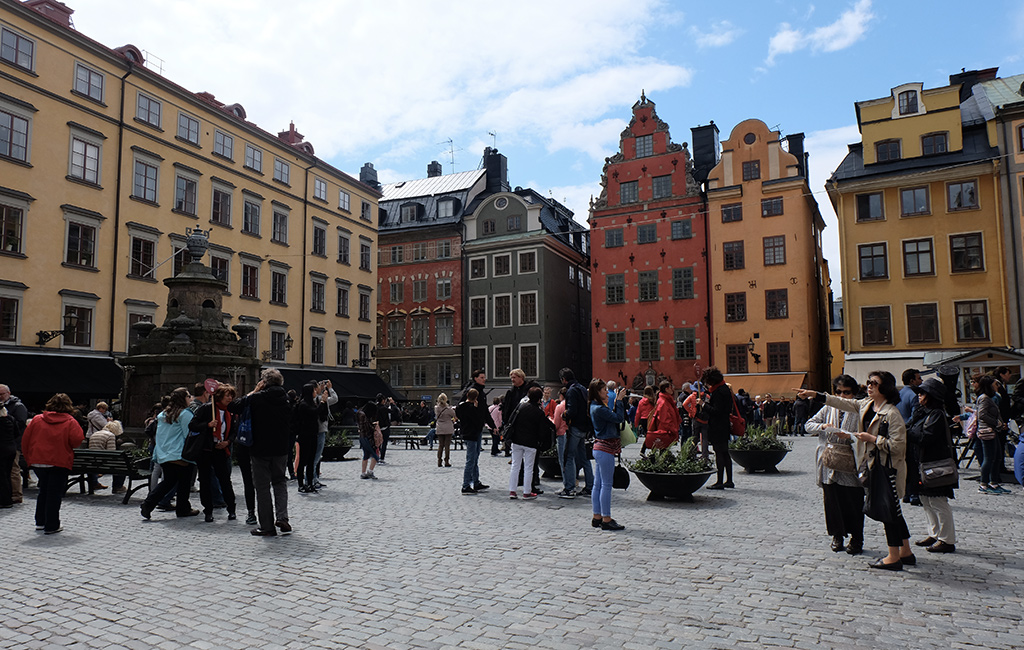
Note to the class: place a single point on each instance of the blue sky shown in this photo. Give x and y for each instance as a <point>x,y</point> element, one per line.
<point>392,82</point>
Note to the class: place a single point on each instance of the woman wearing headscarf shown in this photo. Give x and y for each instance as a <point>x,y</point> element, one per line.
<point>49,445</point>
<point>929,434</point>
<point>444,418</point>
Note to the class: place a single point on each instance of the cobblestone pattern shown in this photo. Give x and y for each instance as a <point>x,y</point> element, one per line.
<point>408,562</point>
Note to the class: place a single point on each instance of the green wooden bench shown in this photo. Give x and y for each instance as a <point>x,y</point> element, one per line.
<point>101,461</point>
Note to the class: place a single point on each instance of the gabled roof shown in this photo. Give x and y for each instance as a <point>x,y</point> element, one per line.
<point>425,187</point>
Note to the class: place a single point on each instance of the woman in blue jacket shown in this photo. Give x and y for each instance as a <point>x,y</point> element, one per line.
<point>606,418</point>
<point>171,431</point>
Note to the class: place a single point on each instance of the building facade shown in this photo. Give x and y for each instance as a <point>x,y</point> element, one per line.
<point>105,164</point>
<point>769,305</point>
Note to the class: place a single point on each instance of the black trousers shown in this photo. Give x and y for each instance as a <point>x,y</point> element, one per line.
<point>307,460</point>
<point>844,510</point>
<point>896,532</point>
<point>215,464</point>
<point>53,483</point>
<point>723,460</point>
<point>245,467</point>
<point>178,479</point>
<point>384,445</point>
<point>6,486</point>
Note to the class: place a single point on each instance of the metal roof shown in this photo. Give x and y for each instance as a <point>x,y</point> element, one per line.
<point>1004,90</point>
<point>432,186</point>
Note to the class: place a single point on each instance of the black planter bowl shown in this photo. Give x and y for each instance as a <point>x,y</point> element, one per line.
<point>335,453</point>
<point>676,486</point>
<point>549,466</point>
<point>758,460</point>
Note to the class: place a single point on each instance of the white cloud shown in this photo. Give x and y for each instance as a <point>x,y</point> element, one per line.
<point>849,28</point>
<point>720,34</point>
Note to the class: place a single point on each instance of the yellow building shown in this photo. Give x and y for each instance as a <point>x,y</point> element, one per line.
<point>105,163</point>
<point>921,231</point>
<point>769,307</point>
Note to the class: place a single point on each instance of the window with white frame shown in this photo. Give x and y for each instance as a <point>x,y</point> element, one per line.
<point>528,308</point>
<point>419,290</point>
<point>80,239</point>
<point>444,326</point>
<point>444,249</point>
<point>344,200</point>
<point>444,288</point>
<point>89,82</point>
<point>250,279</point>
<point>188,128</point>
<point>148,110</point>
<point>477,312</point>
<point>84,162</point>
<point>251,216</point>
<point>143,258</point>
<point>17,49</point>
<point>185,189</point>
<point>420,332</point>
<point>502,265</point>
<point>316,347</point>
<point>14,133</point>
<point>528,262</point>
<point>503,310</point>
<point>364,212</point>
<point>12,223</point>
<point>343,293</point>
<point>342,358</point>
<point>278,285</point>
<point>396,332</point>
<point>364,305</point>
<point>320,239</point>
<point>396,293</point>
<point>319,188</point>
<point>283,172</point>
<point>364,255</point>
<point>12,296</point>
<point>445,208</point>
<point>223,144</point>
<point>81,335</point>
<point>253,158</point>
<point>502,360</point>
<point>221,267</point>
<point>478,268</point>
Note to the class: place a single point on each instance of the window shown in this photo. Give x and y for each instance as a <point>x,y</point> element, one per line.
<point>869,207</point>
<point>143,254</point>
<point>343,301</point>
<point>513,222</point>
<point>774,250</point>
<point>873,261</point>
<point>85,161</point>
<point>319,188</point>
<point>967,252</point>
<point>13,136</point>
<point>364,308</point>
<point>647,282</point>
<point>751,170</point>
<point>662,187</point>
<point>572,274</point>
<point>419,252</point>
<point>396,293</point>
<point>10,228</point>
<point>277,349</point>
<point>628,192</point>
<point>614,289</point>
<point>478,312</point>
<point>502,265</point>
<point>342,358</point>
<point>319,240</point>
<point>650,345</point>
<point>477,358</point>
<point>908,102</point>
<point>318,296</point>
<point>81,336</point>
<point>682,284</point>
<point>616,347</point>
<point>735,307</point>
<point>445,330</point>
<point>178,256</point>
<point>16,49</point>
<point>444,249</point>
<point>646,233</point>
<point>682,229</point>
<point>185,195</point>
<point>253,158</point>
<point>279,232</point>
<point>364,256</point>
<point>489,227</point>
<point>644,146</point>
<point>221,267</point>
<point>88,82</point>
<point>344,246</point>
<point>251,217</point>
<point>528,360</point>
<point>933,143</point>
<point>528,308</point>
<point>887,150</point>
<point>613,238</point>
<point>445,209</point>
<point>686,343</point>
<point>396,374</point>
<point>81,245</point>
<point>776,303</point>
<point>778,357</point>
<point>316,347</point>
<point>364,211</point>
<point>502,360</point>
<point>396,332</point>
<point>527,262</point>
<point>918,257</point>
<point>502,311</point>
<point>409,213</point>
<point>223,144</point>
<point>733,255</point>
<point>771,207</point>
<point>188,128</point>
<point>221,212</point>
<point>914,201</point>
<point>344,200</point>
<point>444,373</point>
<point>444,289</point>
<point>736,359</point>
<point>477,268</point>
<point>419,374</point>
<point>147,110</point>
<point>283,173</point>
<point>419,290</point>
<point>396,254</point>
<point>877,325</point>
<point>419,332</point>
<point>971,320</point>
<point>732,212</point>
<point>962,196</point>
<point>250,281</point>
<point>923,323</point>
<point>145,181</point>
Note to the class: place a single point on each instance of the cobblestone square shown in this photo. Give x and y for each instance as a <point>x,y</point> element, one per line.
<point>408,562</point>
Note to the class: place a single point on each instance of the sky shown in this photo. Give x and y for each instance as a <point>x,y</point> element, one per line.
<point>551,84</point>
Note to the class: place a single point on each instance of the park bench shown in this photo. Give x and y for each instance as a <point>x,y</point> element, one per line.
<point>411,434</point>
<point>101,461</point>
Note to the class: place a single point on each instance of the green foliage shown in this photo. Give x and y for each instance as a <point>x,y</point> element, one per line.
<point>337,437</point>
<point>663,461</point>
<point>549,453</point>
<point>760,439</point>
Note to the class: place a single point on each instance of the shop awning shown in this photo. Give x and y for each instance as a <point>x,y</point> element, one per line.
<point>348,384</point>
<point>36,376</point>
<point>779,385</point>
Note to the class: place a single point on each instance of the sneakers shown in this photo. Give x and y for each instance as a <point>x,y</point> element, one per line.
<point>513,495</point>
<point>251,520</point>
<point>468,490</point>
<point>585,492</point>
<point>567,494</point>
<point>54,531</point>
<point>988,489</point>
<point>530,495</point>
<point>999,489</point>
<point>284,527</point>
<point>364,475</point>
<point>372,475</point>
<point>480,487</point>
<point>40,527</point>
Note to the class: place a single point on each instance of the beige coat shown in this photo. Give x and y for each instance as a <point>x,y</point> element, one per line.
<point>103,439</point>
<point>893,447</point>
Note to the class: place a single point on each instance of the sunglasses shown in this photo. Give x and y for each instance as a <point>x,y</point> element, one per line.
<point>844,391</point>
<point>873,382</point>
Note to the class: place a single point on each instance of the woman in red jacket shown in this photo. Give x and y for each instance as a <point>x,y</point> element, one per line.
<point>49,447</point>
<point>663,429</point>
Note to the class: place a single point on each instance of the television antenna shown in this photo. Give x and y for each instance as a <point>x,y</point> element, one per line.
<point>450,152</point>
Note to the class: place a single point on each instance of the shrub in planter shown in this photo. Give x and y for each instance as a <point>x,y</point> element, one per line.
<point>336,444</point>
<point>668,474</point>
<point>759,450</point>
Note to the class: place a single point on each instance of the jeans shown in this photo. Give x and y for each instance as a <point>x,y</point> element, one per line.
<point>601,497</point>
<point>575,457</point>
<point>268,472</point>
<point>471,475</point>
<point>523,459</point>
<point>177,478</point>
<point>215,470</point>
<point>988,451</point>
<point>321,439</point>
<point>53,482</point>
<point>560,444</point>
<point>495,442</point>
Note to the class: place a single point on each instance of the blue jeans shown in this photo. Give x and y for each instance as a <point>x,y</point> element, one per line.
<point>471,475</point>
<point>560,442</point>
<point>321,438</point>
<point>988,453</point>
<point>601,497</point>
<point>575,456</point>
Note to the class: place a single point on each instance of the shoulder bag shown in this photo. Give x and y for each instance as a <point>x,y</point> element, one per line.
<point>838,455</point>
<point>620,477</point>
<point>626,436</point>
<point>882,503</point>
<point>737,425</point>
<point>244,435</point>
<point>940,473</point>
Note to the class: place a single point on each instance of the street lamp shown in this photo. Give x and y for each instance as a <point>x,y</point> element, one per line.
<point>276,354</point>
<point>70,323</point>
<point>750,349</point>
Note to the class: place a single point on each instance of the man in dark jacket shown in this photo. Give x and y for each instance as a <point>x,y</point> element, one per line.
<point>270,414</point>
<point>471,424</point>
<point>513,397</point>
<point>577,415</point>
<point>16,410</point>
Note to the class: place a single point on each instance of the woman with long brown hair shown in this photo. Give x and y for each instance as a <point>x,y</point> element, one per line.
<point>171,431</point>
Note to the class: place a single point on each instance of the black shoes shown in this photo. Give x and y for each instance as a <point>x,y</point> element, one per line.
<point>880,564</point>
<point>837,544</point>
<point>284,527</point>
<point>256,532</point>
<point>146,511</point>
<point>942,547</point>
<point>927,541</point>
<point>231,515</point>
<point>480,487</point>
<point>611,524</point>
<point>209,518</point>
<point>729,484</point>
<point>855,547</point>
<point>596,523</point>
<point>189,513</point>
<point>910,560</point>
<point>468,490</point>
<point>716,486</point>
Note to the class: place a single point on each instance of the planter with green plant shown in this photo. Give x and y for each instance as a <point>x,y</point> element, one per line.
<point>337,444</point>
<point>668,474</point>
<point>760,450</point>
<point>547,463</point>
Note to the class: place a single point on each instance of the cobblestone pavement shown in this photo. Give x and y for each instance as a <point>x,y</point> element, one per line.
<point>408,562</point>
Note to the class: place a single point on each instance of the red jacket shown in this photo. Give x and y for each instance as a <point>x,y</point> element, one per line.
<point>51,439</point>
<point>666,415</point>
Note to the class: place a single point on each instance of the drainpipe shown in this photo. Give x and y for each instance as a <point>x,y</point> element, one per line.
<point>465,303</point>
<point>117,211</point>
<point>1014,239</point>
<point>707,278</point>
<point>1003,290</point>
<point>305,228</point>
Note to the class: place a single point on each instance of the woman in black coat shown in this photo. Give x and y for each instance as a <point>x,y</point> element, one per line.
<point>930,437</point>
<point>306,417</point>
<point>530,430</point>
<point>720,405</point>
<point>220,426</point>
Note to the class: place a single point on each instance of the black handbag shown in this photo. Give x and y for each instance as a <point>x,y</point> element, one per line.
<point>620,477</point>
<point>196,444</point>
<point>939,473</point>
<point>882,503</point>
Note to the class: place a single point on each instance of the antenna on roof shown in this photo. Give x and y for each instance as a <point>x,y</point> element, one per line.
<point>494,139</point>
<point>451,152</point>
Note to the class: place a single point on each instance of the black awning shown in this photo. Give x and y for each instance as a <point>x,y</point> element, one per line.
<point>35,377</point>
<point>348,384</point>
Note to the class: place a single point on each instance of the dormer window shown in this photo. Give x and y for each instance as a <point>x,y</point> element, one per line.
<point>409,213</point>
<point>887,150</point>
<point>908,102</point>
<point>446,208</point>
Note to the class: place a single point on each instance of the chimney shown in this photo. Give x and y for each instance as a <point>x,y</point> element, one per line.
<point>58,12</point>
<point>434,169</point>
<point>368,175</point>
<point>496,165</point>
<point>795,144</point>
<point>705,150</point>
<point>291,136</point>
